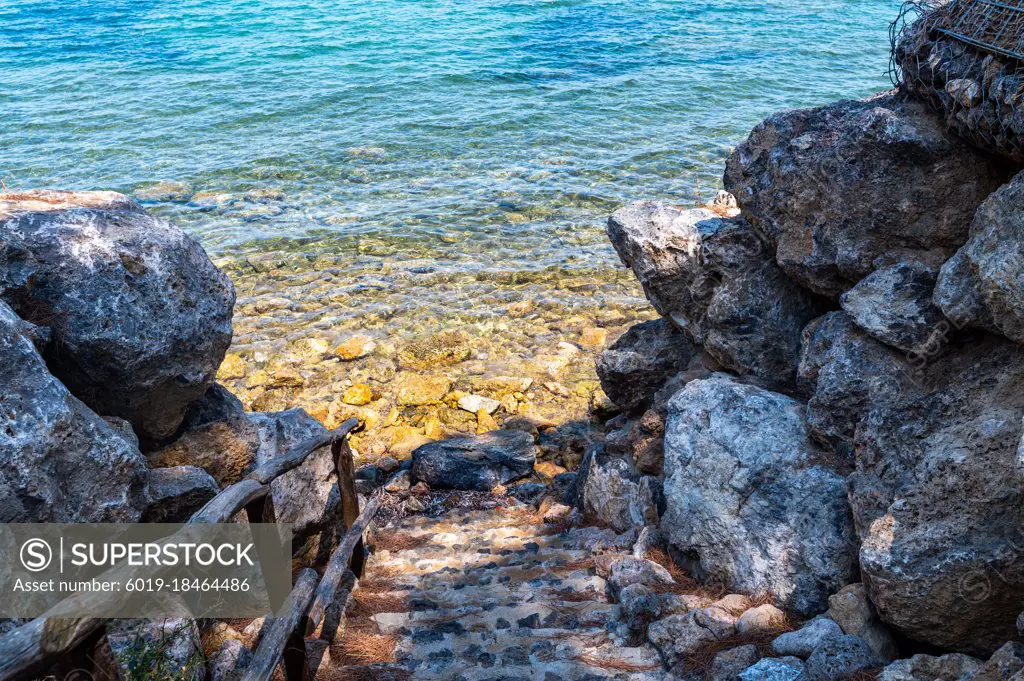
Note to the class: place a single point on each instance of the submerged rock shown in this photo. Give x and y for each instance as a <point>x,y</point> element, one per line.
<point>642,360</point>
<point>475,463</point>
<point>716,278</point>
<point>843,189</point>
<point>983,284</point>
<point>739,464</point>
<point>61,462</point>
<point>140,317</point>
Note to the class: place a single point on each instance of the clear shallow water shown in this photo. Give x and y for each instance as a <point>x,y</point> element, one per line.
<point>477,134</point>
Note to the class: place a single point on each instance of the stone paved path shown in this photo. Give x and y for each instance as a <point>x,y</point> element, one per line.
<point>489,595</point>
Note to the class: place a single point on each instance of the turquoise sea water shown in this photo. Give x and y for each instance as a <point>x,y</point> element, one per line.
<point>479,131</point>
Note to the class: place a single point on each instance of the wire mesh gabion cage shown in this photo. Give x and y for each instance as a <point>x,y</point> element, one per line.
<point>966,57</point>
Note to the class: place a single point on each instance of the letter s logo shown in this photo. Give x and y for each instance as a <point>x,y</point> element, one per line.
<point>36,555</point>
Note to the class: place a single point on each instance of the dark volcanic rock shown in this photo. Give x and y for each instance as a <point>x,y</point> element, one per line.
<point>140,317</point>
<point>60,462</point>
<point>176,493</point>
<point>751,500</point>
<point>716,278</point>
<point>937,499</point>
<point>476,462</point>
<point>845,188</point>
<point>894,305</point>
<point>983,284</point>
<point>844,372</point>
<point>641,360</point>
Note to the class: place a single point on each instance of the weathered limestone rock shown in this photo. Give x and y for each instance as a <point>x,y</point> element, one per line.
<point>641,360</point>
<point>774,669</point>
<point>843,189</point>
<point>642,440</point>
<point>894,305</point>
<point>640,606</point>
<point>717,280</point>
<point>414,390</point>
<point>442,349</point>
<point>677,636</point>
<point>306,496</point>
<point>839,657</point>
<point>140,317</point>
<point>952,667</point>
<point>628,571</point>
<point>983,284</point>
<point>728,664</point>
<point>739,464</point>
<point>177,492</point>
<point>229,662</point>
<point>475,463</point>
<point>937,498</point>
<point>614,493</point>
<point>844,373</point>
<point>854,613</point>
<point>61,462</point>
<point>802,642</point>
<point>1004,664</point>
<point>762,619</point>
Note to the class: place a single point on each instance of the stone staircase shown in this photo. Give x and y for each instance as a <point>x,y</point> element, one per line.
<point>491,594</point>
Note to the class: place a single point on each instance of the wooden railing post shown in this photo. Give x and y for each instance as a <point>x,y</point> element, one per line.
<point>345,470</point>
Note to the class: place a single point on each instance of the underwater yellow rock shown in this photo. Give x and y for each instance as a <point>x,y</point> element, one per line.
<point>233,366</point>
<point>354,347</point>
<point>358,395</point>
<point>485,422</point>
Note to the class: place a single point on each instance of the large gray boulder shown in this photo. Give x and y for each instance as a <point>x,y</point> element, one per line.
<point>937,496</point>
<point>843,189</point>
<point>635,367</point>
<point>983,284</point>
<point>60,462</point>
<point>140,317</point>
<point>751,500</point>
<point>717,279</point>
<point>478,462</point>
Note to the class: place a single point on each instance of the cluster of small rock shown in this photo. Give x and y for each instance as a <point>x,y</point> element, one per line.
<point>831,404</point>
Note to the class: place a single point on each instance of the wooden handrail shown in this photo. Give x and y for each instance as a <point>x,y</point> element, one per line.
<point>46,639</point>
<point>338,565</point>
<point>297,454</point>
<point>278,632</point>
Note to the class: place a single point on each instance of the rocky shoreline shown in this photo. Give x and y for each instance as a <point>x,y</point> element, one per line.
<point>820,419</point>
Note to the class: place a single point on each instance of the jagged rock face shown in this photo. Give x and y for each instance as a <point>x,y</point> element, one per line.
<point>641,360</point>
<point>843,189</point>
<point>716,278</point>
<point>140,317</point>
<point>475,463</point>
<point>894,305</point>
<point>739,465</point>
<point>61,462</point>
<point>983,284</point>
<point>844,372</point>
<point>937,499</point>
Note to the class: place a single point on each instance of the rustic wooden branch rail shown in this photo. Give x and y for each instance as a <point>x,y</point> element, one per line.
<point>45,641</point>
